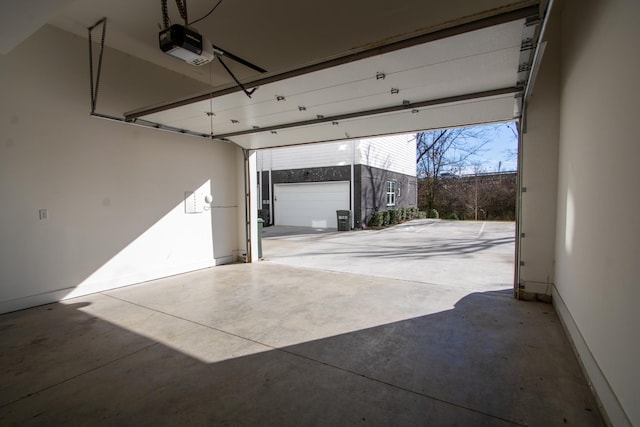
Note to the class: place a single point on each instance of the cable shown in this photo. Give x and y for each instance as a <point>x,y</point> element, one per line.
<point>208,13</point>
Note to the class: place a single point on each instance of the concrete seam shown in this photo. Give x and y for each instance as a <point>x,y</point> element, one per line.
<point>95,368</point>
<point>192,321</point>
<point>284,350</point>
<point>398,387</point>
<point>466,288</point>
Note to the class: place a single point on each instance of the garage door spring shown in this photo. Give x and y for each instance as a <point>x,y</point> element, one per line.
<point>95,88</point>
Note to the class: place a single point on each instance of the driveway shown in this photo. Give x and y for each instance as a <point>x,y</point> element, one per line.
<point>474,255</point>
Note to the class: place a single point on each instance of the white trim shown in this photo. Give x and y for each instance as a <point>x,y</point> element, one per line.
<point>271,221</point>
<point>352,184</point>
<point>608,403</point>
<point>537,287</point>
<point>388,192</point>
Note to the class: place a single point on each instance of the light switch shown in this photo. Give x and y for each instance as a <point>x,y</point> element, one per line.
<point>43,214</point>
<point>193,202</point>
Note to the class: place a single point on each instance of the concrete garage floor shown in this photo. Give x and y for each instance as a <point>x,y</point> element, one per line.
<point>271,344</point>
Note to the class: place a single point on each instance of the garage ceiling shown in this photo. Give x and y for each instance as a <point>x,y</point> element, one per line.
<point>336,69</point>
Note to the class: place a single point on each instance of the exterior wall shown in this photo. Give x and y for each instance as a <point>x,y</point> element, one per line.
<point>115,193</point>
<point>597,268</point>
<point>333,173</point>
<point>394,153</point>
<point>372,184</point>
<point>306,156</point>
<point>390,158</point>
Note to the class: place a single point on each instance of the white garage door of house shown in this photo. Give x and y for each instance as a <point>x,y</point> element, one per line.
<point>311,204</point>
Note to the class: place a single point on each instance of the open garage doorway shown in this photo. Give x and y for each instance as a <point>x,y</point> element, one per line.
<point>473,73</point>
<point>463,232</point>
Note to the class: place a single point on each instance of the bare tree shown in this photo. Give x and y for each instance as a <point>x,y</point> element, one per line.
<point>441,153</point>
<point>479,195</point>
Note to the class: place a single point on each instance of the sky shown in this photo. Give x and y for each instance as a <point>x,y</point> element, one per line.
<point>498,150</point>
<point>501,149</point>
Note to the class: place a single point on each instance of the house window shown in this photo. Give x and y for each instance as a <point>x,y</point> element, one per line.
<point>391,193</point>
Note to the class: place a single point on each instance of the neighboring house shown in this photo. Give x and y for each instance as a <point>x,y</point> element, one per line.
<point>305,185</point>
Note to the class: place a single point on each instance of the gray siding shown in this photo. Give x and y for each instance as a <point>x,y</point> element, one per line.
<point>371,184</point>
<point>331,173</point>
<point>369,187</point>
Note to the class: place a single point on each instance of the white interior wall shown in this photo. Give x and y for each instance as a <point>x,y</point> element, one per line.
<point>598,234</point>
<point>114,193</point>
<point>539,172</point>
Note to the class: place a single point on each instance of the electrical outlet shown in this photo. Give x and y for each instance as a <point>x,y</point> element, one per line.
<point>43,214</point>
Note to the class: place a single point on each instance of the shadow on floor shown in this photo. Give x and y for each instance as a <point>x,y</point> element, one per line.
<point>459,247</point>
<point>273,231</point>
<point>491,360</point>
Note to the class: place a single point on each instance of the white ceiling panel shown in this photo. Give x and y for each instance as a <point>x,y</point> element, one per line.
<point>471,64</point>
<point>493,109</point>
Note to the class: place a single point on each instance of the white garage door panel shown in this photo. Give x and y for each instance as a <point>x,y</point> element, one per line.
<point>472,64</point>
<point>310,204</point>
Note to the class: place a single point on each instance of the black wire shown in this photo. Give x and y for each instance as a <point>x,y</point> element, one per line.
<point>208,13</point>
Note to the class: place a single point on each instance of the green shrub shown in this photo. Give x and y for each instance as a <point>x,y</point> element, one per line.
<point>433,213</point>
<point>394,216</point>
<point>376,219</point>
<point>454,216</point>
<point>421,215</point>
<point>385,218</point>
<point>402,214</point>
